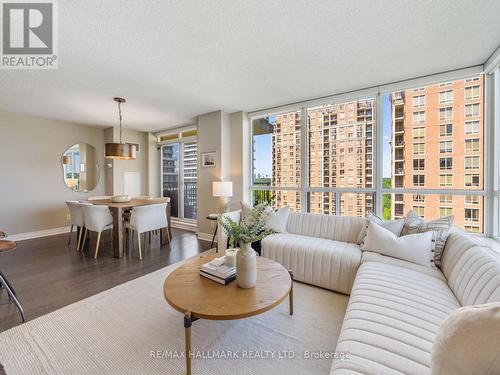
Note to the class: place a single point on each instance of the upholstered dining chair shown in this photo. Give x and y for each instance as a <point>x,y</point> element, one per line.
<point>97,219</point>
<point>76,219</point>
<point>146,219</point>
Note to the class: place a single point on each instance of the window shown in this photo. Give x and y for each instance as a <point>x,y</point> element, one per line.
<point>418,133</point>
<point>472,145</point>
<point>418,117</point>
<point>445,163</point>
<point>446,180</point>
<point>419,198</point>
<point>472,127</point>
<point>472,214</point>
<point>446,96</point>
<point>472,229</point>
<point>446,130</point>
<point>419,149</point>
<point>277,163</point>
<point>445,199</point>
<point>471,180</point>
<point>418,180</point>
<point>472,110</point>
<point>310,157</point>
<point>419,101</point>
<point>179,165</point>
<point>472,200</point>
<point>445,211</point>
<point>471,162</point>
<point>445,114</point>
<point>472,92</point>
<point>419,210</point>
<point>472,79</point>
<point>418,164</point>
<point>445,147</point>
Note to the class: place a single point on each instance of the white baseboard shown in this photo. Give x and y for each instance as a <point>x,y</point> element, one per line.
<point>206,237</point>
<point>184,225</point>
<point>38,233</point>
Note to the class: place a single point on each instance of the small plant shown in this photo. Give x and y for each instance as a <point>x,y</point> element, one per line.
<point>251,229</point>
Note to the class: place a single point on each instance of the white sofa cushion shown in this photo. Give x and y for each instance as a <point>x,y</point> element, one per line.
<point>325,263</point>
<point>472,271</point>
<point>416,248</point>
<point>395,226</point>
<point>277,220</point>
<point>330,227</point>
<point>394,312</point>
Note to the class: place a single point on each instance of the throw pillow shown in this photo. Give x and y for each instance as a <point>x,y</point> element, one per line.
<point>415,248</point>
<point>277,220</point>
<point>395,226</point>
<point>468,341</point>
<point>440,227</point>
<point>246,208</point>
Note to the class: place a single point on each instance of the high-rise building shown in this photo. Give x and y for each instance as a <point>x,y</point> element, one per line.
<point>437,143</point>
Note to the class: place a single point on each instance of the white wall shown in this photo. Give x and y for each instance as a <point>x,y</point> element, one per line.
<point>32,190</point>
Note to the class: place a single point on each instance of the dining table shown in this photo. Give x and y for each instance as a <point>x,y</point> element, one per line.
<point>117,210</point>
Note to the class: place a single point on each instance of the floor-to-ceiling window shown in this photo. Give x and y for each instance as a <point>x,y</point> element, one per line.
<point>179,160</point>
<point>416,145</point>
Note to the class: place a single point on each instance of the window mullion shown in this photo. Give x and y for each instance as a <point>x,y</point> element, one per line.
<point>379,161</point>
<point>304,160</point>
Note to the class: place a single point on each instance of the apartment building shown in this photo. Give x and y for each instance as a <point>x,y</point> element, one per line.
<point>437,143</point>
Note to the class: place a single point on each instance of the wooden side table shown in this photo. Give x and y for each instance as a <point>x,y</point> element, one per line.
<point>4,247</point>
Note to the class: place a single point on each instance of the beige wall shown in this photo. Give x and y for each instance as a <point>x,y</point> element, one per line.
<point>227,135</point>
<point>32,190</point>
<point>140,164</point>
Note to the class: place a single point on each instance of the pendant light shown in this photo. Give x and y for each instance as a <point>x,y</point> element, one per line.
<point>120,151</point>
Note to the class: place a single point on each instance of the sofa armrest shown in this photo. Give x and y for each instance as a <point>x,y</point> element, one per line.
<point>222,238</point>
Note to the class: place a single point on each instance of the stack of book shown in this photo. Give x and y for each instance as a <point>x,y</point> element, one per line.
<point>217,271</point>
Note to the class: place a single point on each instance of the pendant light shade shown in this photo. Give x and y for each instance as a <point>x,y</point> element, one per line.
<point>120,151</point>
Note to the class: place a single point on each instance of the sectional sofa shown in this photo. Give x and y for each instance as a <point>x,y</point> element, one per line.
<point>395,307</point>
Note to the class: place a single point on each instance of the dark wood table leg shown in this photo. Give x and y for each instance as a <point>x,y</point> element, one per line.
<point>187,341</point>
<point>117,213</point>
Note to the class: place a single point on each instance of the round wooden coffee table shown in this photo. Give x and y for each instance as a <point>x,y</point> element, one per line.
<point>200,298</point>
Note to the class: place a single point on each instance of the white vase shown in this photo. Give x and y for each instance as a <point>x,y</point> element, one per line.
<point>246,267</point>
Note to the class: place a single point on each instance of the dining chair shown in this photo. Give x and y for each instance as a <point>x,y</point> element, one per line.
<point>97,219</point>
<point>99,197</point>
<point>146,219</point>
<point>77,219</point>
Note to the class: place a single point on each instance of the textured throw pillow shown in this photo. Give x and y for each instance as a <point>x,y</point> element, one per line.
<point>440,227</point>
<point>415,248</point>
<point>277,220</point>
<point>395,226</point>
<point>468,342</point>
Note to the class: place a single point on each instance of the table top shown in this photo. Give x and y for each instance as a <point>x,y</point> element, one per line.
<point>185,290</point>
<point>7,245</point>
<point>133,202</point>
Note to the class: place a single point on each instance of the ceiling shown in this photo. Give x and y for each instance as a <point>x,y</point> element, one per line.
<point>174,60</point>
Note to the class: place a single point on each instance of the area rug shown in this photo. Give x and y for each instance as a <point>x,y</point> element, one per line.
<point>130,329</point>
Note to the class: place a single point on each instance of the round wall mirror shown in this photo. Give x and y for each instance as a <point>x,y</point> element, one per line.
<point>80,167</point>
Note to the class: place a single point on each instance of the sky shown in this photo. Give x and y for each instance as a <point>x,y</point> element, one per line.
<point>263,144</point>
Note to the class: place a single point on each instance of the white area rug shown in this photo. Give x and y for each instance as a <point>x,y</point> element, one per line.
<point>121,330</point>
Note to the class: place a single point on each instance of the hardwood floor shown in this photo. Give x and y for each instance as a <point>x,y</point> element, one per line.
<point>47,274</point>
